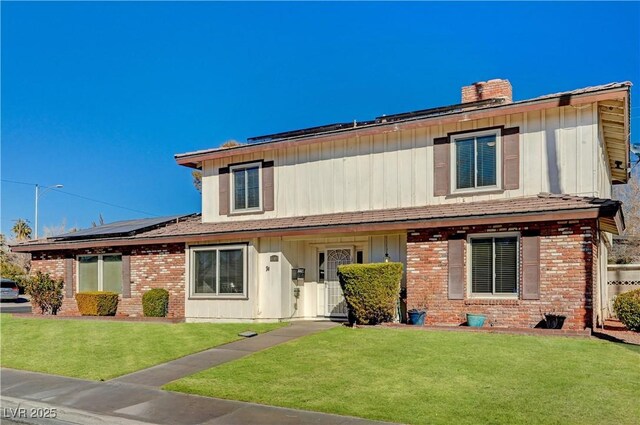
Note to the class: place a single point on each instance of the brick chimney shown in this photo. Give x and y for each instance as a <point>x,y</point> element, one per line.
<point>491,89</point>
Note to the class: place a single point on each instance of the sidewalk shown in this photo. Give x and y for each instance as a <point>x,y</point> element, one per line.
<point>159,375</point>
<point>135,398</point>
<point>87,402</point>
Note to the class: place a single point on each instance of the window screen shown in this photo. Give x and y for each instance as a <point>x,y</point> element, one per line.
<point>494,265</point>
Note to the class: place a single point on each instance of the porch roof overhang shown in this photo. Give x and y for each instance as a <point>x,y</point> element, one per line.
<point>191,229</point>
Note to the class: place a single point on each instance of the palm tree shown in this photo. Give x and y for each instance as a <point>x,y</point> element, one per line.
<point>21,230</point>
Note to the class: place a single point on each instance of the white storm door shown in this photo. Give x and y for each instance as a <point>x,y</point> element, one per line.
<point>336,306</point>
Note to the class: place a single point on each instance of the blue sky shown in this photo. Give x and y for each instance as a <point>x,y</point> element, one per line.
<point>100,96</point>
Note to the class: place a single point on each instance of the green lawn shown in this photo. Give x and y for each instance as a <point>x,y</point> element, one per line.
<point>434,377</point>
<point>98,350</point>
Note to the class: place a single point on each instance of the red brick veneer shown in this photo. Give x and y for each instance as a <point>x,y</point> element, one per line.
<point>152,266</point>
<point>568,253</point>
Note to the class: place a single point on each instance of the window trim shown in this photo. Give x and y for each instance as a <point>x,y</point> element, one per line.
<point>492,235</point>
<point>217,296</point>
<point>454,137</point>
<point>100,270</point>
<point>232,191</point>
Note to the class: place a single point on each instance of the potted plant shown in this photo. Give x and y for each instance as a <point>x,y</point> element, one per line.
<point>417,315</point>
<point>475,320</point>
<point>554,321</point>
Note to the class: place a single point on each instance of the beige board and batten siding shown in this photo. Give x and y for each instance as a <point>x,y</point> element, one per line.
<point>270,287</point>
<point>559,153</point>
<point>222,308</point>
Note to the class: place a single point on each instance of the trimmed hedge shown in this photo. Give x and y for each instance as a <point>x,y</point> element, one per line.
<point>46,292</point>
<point>155,303</point>
<point>97,303</point>
<point>627,308</point>
<point>371,291</point>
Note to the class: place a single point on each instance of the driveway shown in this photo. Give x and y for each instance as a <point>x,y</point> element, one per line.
<point>21,305</point>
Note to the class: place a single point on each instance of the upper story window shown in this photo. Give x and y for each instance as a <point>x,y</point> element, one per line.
<point>246,188</point>
<point>246,193</point>
<point>476,164</point>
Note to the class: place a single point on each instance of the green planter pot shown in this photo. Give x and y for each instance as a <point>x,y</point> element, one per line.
<point>475,320</point>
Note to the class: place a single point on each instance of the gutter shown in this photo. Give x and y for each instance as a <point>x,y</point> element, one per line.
<point>348,229</point>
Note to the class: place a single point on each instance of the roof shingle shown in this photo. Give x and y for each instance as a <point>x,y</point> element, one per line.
<point>403,217</point>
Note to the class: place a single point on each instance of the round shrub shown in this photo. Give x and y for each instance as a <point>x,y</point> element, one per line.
<point>371,291</point>
<point>155,303</point>
<point>627,308</point>
<point>97,303</point>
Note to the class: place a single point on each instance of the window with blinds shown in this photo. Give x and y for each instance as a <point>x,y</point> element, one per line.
<point>494,266</point>
<point>476,164</point>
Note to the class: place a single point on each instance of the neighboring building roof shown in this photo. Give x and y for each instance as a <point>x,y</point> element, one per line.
<point>529,209</point>
<point>615,116</point>
<point>118,228</point>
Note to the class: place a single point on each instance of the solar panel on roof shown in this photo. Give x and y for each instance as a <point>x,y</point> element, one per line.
<point>119,228</point>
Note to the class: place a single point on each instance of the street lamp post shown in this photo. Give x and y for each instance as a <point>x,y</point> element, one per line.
<point>38,193</point>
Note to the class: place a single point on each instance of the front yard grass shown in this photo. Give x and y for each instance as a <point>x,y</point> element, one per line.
<point>416,377</point>
<point>100,350</point>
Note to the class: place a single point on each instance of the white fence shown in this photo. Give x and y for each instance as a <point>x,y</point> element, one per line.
<point>621,278</point>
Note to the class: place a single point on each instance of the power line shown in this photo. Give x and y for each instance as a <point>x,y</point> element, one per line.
<point>85,198</point>
<point>104,203</point>
<point>17,182</point>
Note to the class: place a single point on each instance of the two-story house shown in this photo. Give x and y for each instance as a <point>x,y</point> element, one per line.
<point>494,206</point>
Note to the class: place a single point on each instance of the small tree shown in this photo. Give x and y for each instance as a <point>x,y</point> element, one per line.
<point>197,180</point>
<point>46,292</point>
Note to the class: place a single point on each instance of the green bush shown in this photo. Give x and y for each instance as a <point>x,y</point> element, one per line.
<point>46,292</point>
<point>627,308</point>
<point>155,303</point>
<point>97,303</point>
<point>371,291</point>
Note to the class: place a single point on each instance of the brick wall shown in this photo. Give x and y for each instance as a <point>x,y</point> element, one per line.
<point>568,252</point>
<point>491,89</point>
<point>152,266</point>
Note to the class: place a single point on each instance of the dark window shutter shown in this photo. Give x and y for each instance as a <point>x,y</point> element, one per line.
<point>456,269</point>
<point>126,276</point>
<point>68,277</point>
<point>530,267</point>
<point>223,193</point>
<point>511,158</point>
<point>267,186</point>
<point>441,164</point>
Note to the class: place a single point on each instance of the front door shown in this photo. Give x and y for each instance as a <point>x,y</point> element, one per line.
<point>336,305</point>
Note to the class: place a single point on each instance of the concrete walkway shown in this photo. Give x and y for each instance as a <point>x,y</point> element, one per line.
<point>157,376</point>
<point>88,402</point>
